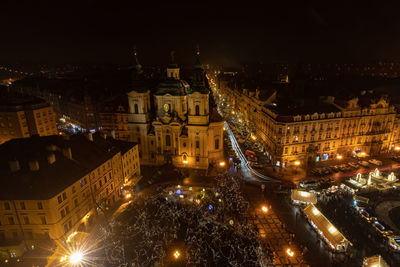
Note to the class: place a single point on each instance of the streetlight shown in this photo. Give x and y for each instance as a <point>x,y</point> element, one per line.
<point>397,148</point>
<point>177,254</point>
<point>222,163</point>
<point>339,156</point>
<point>297,163</point>
<point>264,209</point>
<point>76,257</point>
<point>290,252</point>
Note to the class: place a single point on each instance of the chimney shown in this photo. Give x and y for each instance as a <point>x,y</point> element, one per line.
<point>34,165</point>
<point>67,152</point>
<point>14,165</point>
<point>51,158</point>
<point>90,136</point>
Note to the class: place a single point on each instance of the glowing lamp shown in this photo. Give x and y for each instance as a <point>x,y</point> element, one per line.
<point>264,209</point>
<point>290,252</point>
<point>76,257</point>
<point>222,163</point>
<point>397,148</point>
<point>297,163</point>
<point>128,196</point>
<point>339,156</point>
<point>177,254</point>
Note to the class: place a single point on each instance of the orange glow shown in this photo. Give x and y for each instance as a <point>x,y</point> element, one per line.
<point>264,209</point>
<point>297,163</point>
<point>222,163</point>
<point>339,156</point>
<point>397,148</point>
<point>290,252</point>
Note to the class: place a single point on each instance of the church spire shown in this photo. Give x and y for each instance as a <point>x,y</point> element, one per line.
<point>137,65</point>
<point>197,64</point>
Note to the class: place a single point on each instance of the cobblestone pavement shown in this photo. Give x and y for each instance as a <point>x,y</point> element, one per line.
<point>272,230</point>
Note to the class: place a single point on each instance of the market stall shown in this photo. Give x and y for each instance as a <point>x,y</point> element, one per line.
<point>328,232</point>
<point>303,197</point>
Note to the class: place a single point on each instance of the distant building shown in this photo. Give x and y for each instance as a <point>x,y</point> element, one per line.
<point>114,118</point>
<point>52,186</point>
<point>175,121</point>
<point>24,117</point>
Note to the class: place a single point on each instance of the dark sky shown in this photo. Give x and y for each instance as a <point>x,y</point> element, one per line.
<point>90,30</point>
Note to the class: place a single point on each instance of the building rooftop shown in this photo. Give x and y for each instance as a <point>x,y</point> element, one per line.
<point>21,103</point>
<point>50,178</point>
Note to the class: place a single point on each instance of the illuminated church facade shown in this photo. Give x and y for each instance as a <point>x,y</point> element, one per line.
<point>175,121</point>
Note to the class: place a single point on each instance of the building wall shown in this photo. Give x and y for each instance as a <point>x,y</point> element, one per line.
<point>24,123</point>
<point>162,140</point>
<point>73,209</point>
<point>306,138</point>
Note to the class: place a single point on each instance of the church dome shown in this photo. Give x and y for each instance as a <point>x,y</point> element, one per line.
<point>172,87</point>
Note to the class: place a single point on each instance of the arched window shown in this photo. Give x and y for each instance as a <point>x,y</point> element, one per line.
<point>167,140</point>
<point>216,143</point>
<point>136,109</point>
<point>197,110</point>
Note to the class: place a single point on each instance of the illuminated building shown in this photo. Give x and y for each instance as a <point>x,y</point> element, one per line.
<point>174,121</point>
<point>362,125</point>
<point>24,117</point>
<point>52,186</point>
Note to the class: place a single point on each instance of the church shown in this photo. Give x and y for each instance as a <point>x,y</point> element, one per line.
<point>175,121</point>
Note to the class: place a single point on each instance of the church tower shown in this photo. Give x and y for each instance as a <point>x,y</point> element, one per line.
<point>198,95</point>
<point>173,69</point>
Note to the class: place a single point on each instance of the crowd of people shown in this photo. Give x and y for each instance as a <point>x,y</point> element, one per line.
<point>211,231</point>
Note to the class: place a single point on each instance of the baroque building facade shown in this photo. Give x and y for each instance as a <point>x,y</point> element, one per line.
<point>363,125</point>
<point>175,121</point>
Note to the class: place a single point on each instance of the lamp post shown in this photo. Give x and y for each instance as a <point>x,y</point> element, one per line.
<point>296,164</point>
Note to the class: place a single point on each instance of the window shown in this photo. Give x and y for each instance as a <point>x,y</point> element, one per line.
<point>6,206</point>
<point>67,210</point>
<point>197,158</point>
<point>62,212</point>
<point>216,143</point>
<point>64,195</point>
<point>66,228</point>
<point>197,144</point>
<point>100,183</point>
<point>11,220</point>
<point>197,110</point>
<point>23,205</point>
<point>40,205</point>
<point>43,219</point>
<point>76,202</point>
<point>167,140</point>
<point>26,219</point>
<point>136,109</point>
<point>73,189</point>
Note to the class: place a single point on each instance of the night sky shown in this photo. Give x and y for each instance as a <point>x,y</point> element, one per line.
<point>99,31</point>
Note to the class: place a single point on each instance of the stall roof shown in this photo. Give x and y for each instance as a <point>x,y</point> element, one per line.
<point>304,196</point>
<point>324,225</point>
<point>376,261</point>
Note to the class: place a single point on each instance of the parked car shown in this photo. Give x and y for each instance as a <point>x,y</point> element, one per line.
<point>394,243</point>
<point>256,165</point>
<point>353,165</point>
<point>363,163</point>
<point>309,184</point>
<point>375,162</point>
<point>327,180</point>
<point>381,228</point>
